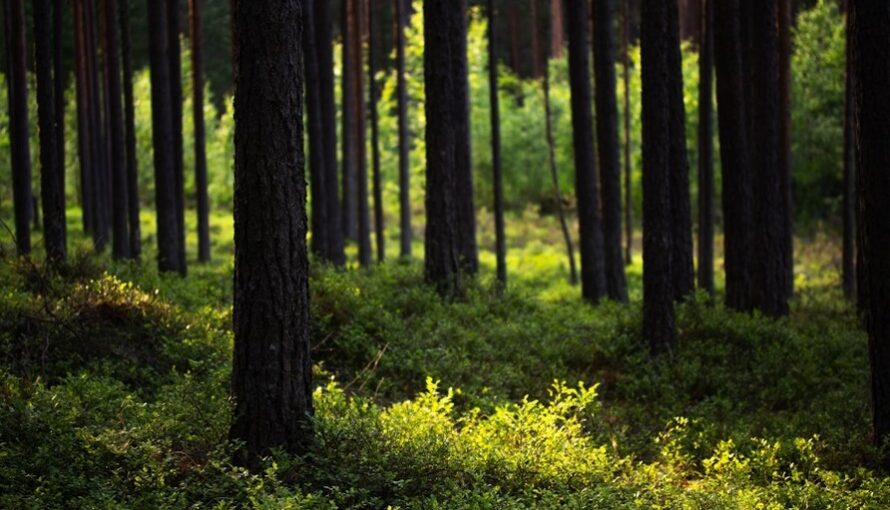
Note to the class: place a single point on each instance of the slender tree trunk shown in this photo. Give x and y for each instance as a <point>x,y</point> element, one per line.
<point>557,34</point>
<point>500,243</point>
<point>515,40</point>
<point>736,176</point>
<point>84,143</point>
<point>175,63</point>
<point>658,284</point>
<point>162,137</point>
<point>375,142</point>
<point>706,150</point>
<point>870,35</point>
<point>314,128</point>
<point>115,123</point>
<point>628,189</point>
<point>848,267</point>
<point>537,67</point>
<point>59,81</point>
<point>18,122</point>
<point>593,285</point>
<point>130,128</point>
<point>364,216</point>
<point>401,21</point>
<point>324,52</point>
<point>785,161</point>
<point>554,178</point>
<point>98,144</point>
<point>271,379</point>
<point>349,143</point>
<point>52,196</point>
<point>609,153</point>
<point>203,201</point>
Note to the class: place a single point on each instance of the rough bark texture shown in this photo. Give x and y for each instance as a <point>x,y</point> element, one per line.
<point>162,139</point>
<point>175,63</point>
<point>405,232</point>
<point>349,144</point>
<point>736,173</point>
<point>706,149</point>
<point>449,249</point>
<point>379,236</point>
<point>593,285</point>
<point>271,378</point>
<point>315,135</point>
<point>628,189</point>
<point>203,201</point>
<point>324,51</point>
<point>785,162</point>
<point>497,180</point>
<point>18,123</point>
<point>848,265</point>
<point>130,128</point>
<point>658,286</point>
<point>52,194</point>
<point>870,34</point>
<point>607,141</point>
<point>115,122</point>
<point>769,276</point>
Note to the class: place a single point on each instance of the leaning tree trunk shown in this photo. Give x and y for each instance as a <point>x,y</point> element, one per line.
<point>500,244</point>
<point>734,156</point>
<point>349,144</point>
<point>706,149</point>
<point>593,285</point>
<point>115,123</point>
<point>870,37</point>
<point>175,62</point>
<point>271,377</point>
<point>203,201</point>
<point>52,195</point>
<point>162,138</point>
<point>18,122</point>
<point>405,232</point>
<point>658,285</point>
<point>607,140</point>
<point>375,140</point>
<point>130,128</point>
<point>315,135</point>
<point>848,266</point>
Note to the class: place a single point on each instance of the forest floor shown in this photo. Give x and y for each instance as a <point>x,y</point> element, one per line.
<point>114,391</point>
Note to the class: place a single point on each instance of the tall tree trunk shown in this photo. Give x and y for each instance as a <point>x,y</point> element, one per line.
<point>364,216</point>
<point>324,52</point>
<point>375,142</point>
<point>115,123</point>
<point>450,240</point>
<point>405,232</point>
<point>349,143</point>
<point>175,62</point>
<point>658,284</point>
<point>769,288</point>
<point>18,122</point>
<point>315,135</point>
<point>785,161</point>
<point>734,156</point>
<point>162,138</point>
<point>848,266</point>
<point>628,182</point>
<point>607,140</point>
<point>52,195</point>
<point>84,143</point>
<point>515,39</point>
<point>271,378</point>
<point>497,179</point>
<point>554,179</point>
<point>870,35</point>
<point>706,149</point>
<point>537,67</point>
<point>203,201</point>
<point>130,128</point>
<point>593,285</point>
<point>59,81</point>
<point>98,143</point>
<point>557,34</point>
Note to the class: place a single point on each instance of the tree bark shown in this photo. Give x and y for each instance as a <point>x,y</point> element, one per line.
<point>628,182</point>
<point>175,63</point>
<point>99,143</point>
<point>405,237</point>
<point>349,143</point>
<point>315,135</point>
<point>364,216</point>
<point>203,201</point>
<point>658,284</point>
<point>706,149</point>
<point>870,35</point>
<point>135,227</point>
<point>379,237</point>
<point>115,126</point>
<point>593,285</point>
<point>18,123</point>
<point>557,34</point>
<point>537,64</point>
<point>52,196</point>
<point>607,140</point>
<point>497,179</point>
<point>271,378</point>
<point>785,162</point>
<point>848,266</point>
<point>734,156</point>
<point>59,81</point>
<point>84,143</point>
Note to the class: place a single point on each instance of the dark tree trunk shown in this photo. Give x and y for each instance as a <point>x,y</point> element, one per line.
<point>769,274</point>
<point>870,35</point>
<point>115,123</point>
<point>401,21</point>
<point>203,202</point>
<point>658,284</point>
<point>628,190</point>
<point>537,68</point>
<point>18,122</point>
<point>364,216</point>
<point>785,162</point>
<point>59,81</point>
<point>52,196</point>
<point>175,63</point>
<point>593,285</point>
<point>500,243</point>
<point>848,266</point>
<point>706,149</point>
<point>515,60</point>
<point>84,135</point>
<point>271,378</point>
<point>609,153</point>
<point>324,53</point>
<point>375,140</point>
<point>349,143</point>
<point>98,143</point>
<point>736,185</point>
<point>130,129</point>
<point>557,34</point>
<point>315,135</point>
<point>449,249</point>
<point>162,138</point>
